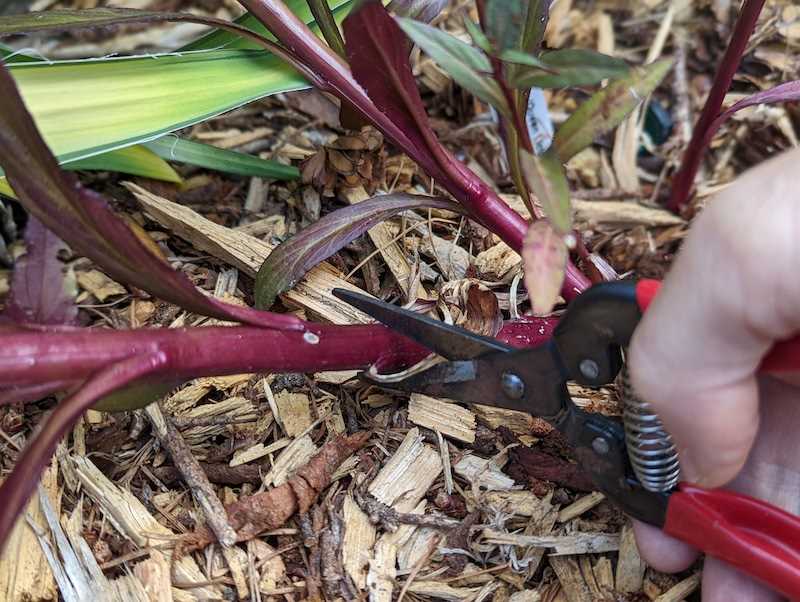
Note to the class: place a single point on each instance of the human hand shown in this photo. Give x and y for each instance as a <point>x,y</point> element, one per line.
<point>731,294</point>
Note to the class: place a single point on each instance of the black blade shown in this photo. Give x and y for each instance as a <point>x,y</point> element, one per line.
<point>526,380</point>
<point>451,342</point>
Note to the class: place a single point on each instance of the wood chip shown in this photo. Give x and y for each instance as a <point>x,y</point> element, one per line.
<point>520,423</point>
<point>443,591</point>
<point>497,261</point>
<point>570,576</point>
<point>579,506</point>
<point>100,286</point>
<point>483,473</point>
<point>294,412</point>
<point>336,377</point>
<point>630,566</point>
<point>359,537</point>
<point>604,574</point>
<point>680,590</point>
<point>580,543</point>
<point>312,293</point>
<point>449,419</point>
<point>382,572</point>
<point>406,477</point>
<point>154,575</point>
<point>623,213</point>
<point>526,595</point>
<point>24,571</point>
<point>297,454</point>
<point>517,503</point>
<point>132,520</point>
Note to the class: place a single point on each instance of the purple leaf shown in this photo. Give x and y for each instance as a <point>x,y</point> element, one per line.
<point>39,289</point>
<point>83,219</point>
<point>17,488</point>
<point>378,53</point>
<point>291,260</point>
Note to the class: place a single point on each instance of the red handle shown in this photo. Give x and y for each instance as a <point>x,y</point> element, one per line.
<point>783,357</point>
<point>755,537</point>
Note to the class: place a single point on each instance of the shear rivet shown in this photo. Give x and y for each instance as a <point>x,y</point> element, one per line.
<point>600,446</point>
<point>513,386</point>
<point>589,369</point>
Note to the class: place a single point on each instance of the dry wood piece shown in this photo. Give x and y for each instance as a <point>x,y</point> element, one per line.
<point>520,423</point>
<point>294,412</point>
<point>497,261</point>
<point>130,518</point>
<point>623,213</point>
<point>581,543</point>
<point>296,454</point>
<point>192,473</point>
<point>579,506</point>
<point>604,574</point>
<point>154,575</point>
<point>359,537</point>
<point>519,503</point>
<point>443,591</point>
<point>247,253</point>
<point>407,476</point>
<point>261,512</point>
<point>24,571</point>
<point>630,566</point>
<point>484,473</point>
<point>680,590</point>
<point>382,572</point>
<point>568,571</point>
<point>448,418</point>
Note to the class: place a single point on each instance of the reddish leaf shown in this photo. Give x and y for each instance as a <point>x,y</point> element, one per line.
<point>40,292</point>
<point>291,260</point>
<point>544,255</point>
<point>787,92</point>
<point>377,51</point>
<point>83,219</point>
<point>19,485</point>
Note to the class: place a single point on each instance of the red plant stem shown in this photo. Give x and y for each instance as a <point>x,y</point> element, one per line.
<point>482,202</point>
<point>39,357</point>
<point>683,182</point>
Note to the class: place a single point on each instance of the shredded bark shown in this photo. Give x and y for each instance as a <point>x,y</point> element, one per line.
<point>261,512</point>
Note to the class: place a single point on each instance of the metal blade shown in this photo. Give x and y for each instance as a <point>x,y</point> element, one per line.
<point>451,342</point>
<point>526,380</point>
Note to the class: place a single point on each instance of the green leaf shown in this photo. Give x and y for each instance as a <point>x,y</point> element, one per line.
<point>478,37</point>
<point>88,107</point>
<point>289,262</point>
<point>518,57</point>
<point>219,39</point>
<point>323,16</point>
<point>607,109</point>
<point>133,160</point>
<point>535,24</point>
<point>504,22</point>
<point>211,157</point>
<point>546,178</point>
<point>570,67</point>
<point>544,257</point>
<point>465,64</point>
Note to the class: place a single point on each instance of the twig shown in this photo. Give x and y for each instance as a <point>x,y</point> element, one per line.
<point>193,474</point>
<point>391,519</point>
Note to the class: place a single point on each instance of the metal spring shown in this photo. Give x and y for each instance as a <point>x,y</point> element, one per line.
<point>652,453</point>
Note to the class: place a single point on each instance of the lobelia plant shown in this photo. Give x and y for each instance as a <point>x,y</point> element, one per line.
<point>368,69</point>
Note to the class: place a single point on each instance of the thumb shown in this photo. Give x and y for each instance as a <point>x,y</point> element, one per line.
<point>728,297</point>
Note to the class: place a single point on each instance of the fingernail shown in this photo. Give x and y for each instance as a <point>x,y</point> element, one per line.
<point>691,471</point>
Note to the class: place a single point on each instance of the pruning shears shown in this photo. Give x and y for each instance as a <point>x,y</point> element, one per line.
<point>632,461</point>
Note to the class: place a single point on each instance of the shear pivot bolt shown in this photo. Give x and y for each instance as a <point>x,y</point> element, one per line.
<point>600,446</point>
<point>512,385</point>
<point>589,369</point>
